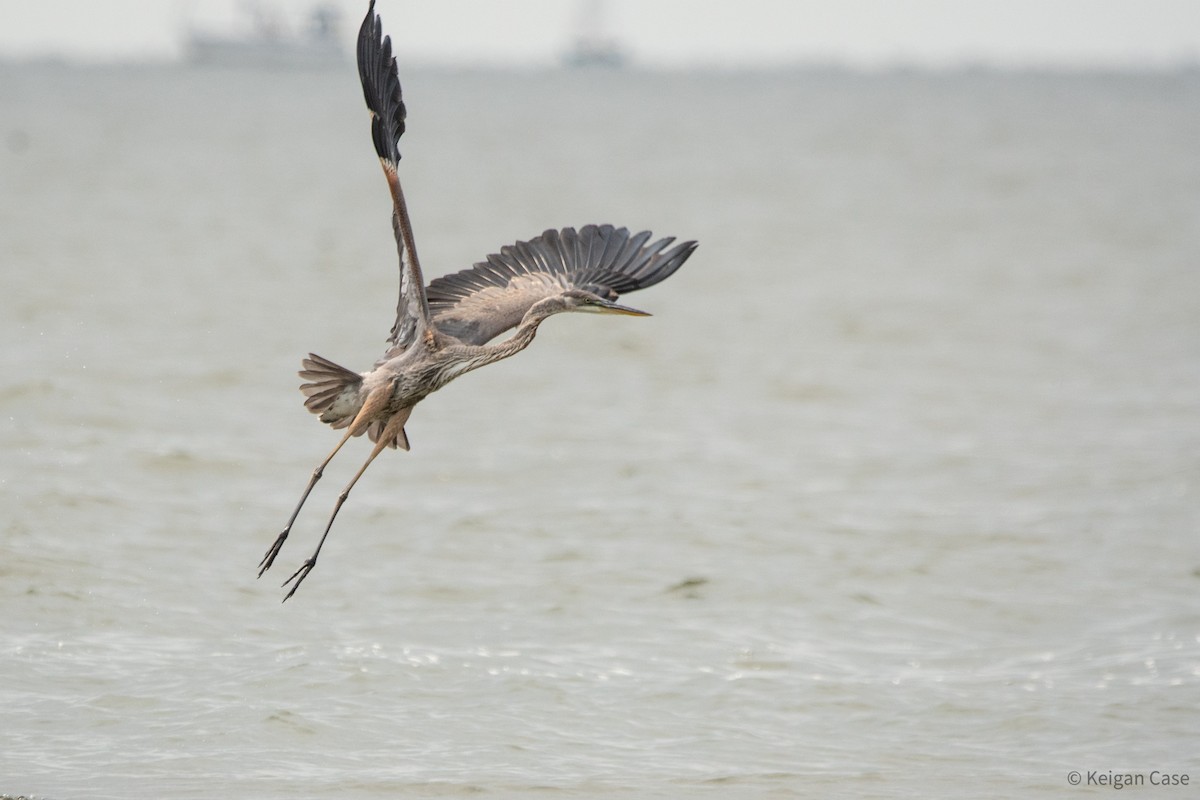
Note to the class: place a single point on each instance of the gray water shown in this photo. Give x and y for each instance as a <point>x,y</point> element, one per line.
<point>896,495</point>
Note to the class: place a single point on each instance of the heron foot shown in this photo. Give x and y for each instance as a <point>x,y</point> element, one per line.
<point>298,576</point>
<point>272,551</point>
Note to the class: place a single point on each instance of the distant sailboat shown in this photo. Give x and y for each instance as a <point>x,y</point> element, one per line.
<point>594,46</point>
<point>269,45</point>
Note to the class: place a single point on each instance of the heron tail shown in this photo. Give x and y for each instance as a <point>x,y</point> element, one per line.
<point>333,391</point>
<point>400,439</point>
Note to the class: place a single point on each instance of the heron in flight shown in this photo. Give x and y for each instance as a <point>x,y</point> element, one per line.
<point>446,329</point>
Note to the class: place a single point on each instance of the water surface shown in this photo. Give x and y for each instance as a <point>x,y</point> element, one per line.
<point>896,495</point>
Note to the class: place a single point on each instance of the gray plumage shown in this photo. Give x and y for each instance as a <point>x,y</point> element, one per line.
<point>446,329</point>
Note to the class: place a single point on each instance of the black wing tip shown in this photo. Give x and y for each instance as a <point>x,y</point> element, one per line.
<point>381,86</point>
<point>687,248</point>
<point>631,261</point>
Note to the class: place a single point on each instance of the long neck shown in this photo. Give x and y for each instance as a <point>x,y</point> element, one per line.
<point>469,357</point>
<point>490,353</point>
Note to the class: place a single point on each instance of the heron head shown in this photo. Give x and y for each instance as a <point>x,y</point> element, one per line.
<point>581,300</point>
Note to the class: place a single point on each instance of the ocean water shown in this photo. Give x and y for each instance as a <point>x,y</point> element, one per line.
<point>897,494</point>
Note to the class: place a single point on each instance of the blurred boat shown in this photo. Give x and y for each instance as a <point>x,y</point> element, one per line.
<point>594,46</point>
<point>268,44</point>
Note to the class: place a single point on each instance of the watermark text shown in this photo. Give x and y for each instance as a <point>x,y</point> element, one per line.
<point>1121,780</point>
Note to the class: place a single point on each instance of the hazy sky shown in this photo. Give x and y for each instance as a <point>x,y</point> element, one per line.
<point>1057,32</point>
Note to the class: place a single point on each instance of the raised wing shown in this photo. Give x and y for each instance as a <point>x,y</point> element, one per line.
<point>381,89</point>
<point>477,304</point>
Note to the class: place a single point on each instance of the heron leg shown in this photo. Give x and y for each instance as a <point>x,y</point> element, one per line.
<point>277,545</point>
<point>371,407</point>
<point>394,426</point>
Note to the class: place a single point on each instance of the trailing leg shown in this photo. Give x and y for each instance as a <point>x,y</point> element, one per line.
<point>374,404</point>
<point>394,426</point>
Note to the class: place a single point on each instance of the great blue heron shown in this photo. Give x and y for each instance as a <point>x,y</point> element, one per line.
<point>442,331</point>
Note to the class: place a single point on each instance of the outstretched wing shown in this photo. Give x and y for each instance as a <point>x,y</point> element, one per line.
<point>477,304</point>
<point>381,89</point>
